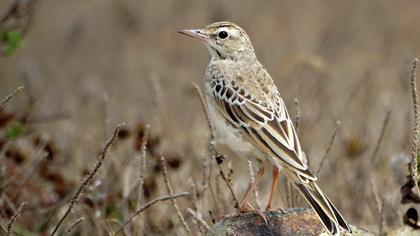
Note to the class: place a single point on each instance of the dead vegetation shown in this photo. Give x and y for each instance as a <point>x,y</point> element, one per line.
<point>87,66</point>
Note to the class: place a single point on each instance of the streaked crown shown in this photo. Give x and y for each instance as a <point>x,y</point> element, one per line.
<point>225,40</point>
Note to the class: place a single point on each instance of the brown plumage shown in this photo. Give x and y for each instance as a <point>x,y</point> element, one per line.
<point>250,116</point>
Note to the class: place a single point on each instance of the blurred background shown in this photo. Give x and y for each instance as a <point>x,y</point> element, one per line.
<point>89,65</point>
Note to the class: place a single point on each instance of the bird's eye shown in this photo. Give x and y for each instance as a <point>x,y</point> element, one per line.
<point>223,34</point>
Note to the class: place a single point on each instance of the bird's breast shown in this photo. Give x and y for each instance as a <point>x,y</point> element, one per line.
<point>227,134</point>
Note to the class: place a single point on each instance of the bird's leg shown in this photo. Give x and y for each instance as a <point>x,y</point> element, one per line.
<point>244,205</point>
<point>276,173</point>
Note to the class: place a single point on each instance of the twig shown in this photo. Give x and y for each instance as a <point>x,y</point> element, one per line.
<point>149,204</point>
<point>10,96</point>
<point>195,201</point>
<point>212,148</point>
<point>14,217</point>
<point>297,114</point>
<point>219,197</point>
<point>140,222</point>
<point>321,164</point>
<point>379,206</point>
<point>194,194</point>
<point>88,179</point>
<point>206,175</point>
<point>143,149</point>
<point>230,172</point>
<point>198,218</point>
<point>251,174</point>
<point>381,136</point>
<point>3,228</point>
<point>413,164</point>
<point>291,193</point>
<point>20,10</point>
<point>170,192</point>
<point>110,232</point>
<point>287,192</point>
<point>27,169</point>
<point>216,207</point>
<point>73,226</point>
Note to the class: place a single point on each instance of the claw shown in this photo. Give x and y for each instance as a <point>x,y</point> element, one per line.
<point>261,213</point>
<point>248,208</point>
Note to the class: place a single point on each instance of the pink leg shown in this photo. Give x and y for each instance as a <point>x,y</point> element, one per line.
<point>276,174</point>
<point>244,205</point>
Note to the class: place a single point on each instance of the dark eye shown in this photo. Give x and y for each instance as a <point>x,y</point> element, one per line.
<point>223,34</point>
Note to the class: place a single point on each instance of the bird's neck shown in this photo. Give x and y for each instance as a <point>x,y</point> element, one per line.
<point>245,54</point>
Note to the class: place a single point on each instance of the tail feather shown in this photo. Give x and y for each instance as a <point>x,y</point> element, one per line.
<point>339,217</point>
<point>325,210</point>
<point>325,218</point>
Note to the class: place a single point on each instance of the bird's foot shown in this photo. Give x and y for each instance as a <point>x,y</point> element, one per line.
<point>246,209</point>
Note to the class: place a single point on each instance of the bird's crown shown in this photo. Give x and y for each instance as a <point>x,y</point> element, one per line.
<point>225,40</point>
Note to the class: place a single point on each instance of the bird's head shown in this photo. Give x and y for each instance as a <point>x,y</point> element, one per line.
<point>224,40</point>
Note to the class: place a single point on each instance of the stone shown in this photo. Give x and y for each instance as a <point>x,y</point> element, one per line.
<point>289,222</point>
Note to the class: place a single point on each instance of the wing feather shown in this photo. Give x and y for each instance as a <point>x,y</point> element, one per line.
<point>267,126</point>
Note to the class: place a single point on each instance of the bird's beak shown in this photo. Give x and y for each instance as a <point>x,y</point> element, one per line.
<point>195,33</point>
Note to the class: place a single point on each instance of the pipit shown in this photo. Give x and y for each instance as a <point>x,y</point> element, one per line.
<point>250,117</point>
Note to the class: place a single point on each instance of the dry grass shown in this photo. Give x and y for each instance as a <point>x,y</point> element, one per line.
<point>86,65</point>
<point>414,148</point>
<point>89,178</point>
<point>8,97</point>
<point>14,218</point>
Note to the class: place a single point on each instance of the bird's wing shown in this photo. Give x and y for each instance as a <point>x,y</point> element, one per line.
<point>267,126</point>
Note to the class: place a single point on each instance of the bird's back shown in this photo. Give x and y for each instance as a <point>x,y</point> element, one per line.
<point>247,76</point>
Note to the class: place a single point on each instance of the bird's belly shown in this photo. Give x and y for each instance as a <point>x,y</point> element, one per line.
<point>229,135</point>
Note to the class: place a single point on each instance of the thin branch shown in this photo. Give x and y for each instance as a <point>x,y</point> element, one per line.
<point>88,179</point>
<point>143,149</point>
<point>108,223</point>
<point>413,164</point>
<point>212,148</point>
<point>206,175</point>
<point>195,202</point>
<point>10,96</point>
<point>194,195</point>
<point>216,206</point>
<point>287,192</point>
<point>19,11</point>
<point>291,193</point>
<point>170,192</point>
<point>198,218</point>
<point>13,219</point>
<point>252,175</point>
<point>381,136</point>
<point>321,164</point>
<point>73,225</point>
<point>230,171</point>
<point>140,222</point>
<point>27,169</point>
<point>297,114</point>
<point>379,206</point>
<point>149,204</point>
<point>3,228</point>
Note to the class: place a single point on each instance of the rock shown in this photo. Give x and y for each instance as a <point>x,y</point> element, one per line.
<point>294,221</point>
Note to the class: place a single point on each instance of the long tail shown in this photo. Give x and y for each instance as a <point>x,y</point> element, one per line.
<point>326,211</point>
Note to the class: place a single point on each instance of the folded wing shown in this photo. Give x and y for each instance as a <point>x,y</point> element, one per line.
<point>266,125</point>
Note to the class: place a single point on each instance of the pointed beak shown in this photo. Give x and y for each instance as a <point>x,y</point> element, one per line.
<point>195,33</point>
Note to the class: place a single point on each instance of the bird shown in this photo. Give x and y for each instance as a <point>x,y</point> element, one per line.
<point>250,117</point>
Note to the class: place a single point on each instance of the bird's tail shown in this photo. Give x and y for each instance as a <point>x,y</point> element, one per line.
<point>325,210</point>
